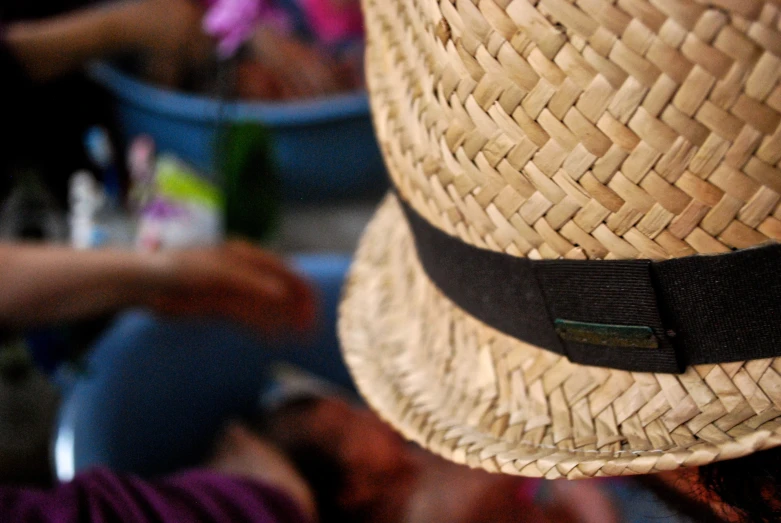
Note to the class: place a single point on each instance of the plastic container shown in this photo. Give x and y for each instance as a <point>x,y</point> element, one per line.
<point>322,148</point>
<point>154,392</point>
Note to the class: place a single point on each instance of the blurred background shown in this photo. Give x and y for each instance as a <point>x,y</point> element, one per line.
<point>163,125</point>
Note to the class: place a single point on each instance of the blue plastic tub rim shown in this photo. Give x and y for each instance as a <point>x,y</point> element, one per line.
<point>206,109</point>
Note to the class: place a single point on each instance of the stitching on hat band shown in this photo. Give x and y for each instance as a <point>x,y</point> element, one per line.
<point>635,315</point>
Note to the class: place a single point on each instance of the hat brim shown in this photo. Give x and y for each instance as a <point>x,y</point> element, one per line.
<point>478,397</point>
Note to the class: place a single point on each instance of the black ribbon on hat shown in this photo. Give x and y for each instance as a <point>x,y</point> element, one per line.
<point>636,315</point>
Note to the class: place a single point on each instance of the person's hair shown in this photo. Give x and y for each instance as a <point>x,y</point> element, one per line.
<point>679,503</point>
<point>321,470</point>
<point>750,485</point>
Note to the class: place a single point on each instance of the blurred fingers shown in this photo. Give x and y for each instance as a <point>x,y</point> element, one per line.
<point>269,283</point>
<point>268,263</point>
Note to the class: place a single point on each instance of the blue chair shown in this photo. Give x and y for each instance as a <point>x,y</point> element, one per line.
<point>155,392</point>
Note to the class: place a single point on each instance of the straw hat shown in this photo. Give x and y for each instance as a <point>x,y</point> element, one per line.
<point>576,274</point>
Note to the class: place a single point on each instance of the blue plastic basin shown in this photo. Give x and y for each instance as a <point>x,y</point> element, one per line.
<point>323,148</point>
<point>155,391</point>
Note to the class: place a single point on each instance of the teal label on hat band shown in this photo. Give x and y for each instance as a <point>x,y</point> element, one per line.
<point>608,335</point>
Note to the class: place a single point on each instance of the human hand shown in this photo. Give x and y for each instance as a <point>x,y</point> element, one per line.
<point>241,452</point>
<point>236,281</point>
<point>166,25</point>
<point>169,34</point>
<point>301,70</point>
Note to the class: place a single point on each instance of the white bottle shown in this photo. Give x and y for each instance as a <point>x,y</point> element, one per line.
<point>85,199</point>
<point>94,221</point>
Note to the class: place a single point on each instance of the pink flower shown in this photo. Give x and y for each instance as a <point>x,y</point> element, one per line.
<point>232,22</point>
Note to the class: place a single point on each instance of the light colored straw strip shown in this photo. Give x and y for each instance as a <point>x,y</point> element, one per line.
<point>617,120</point>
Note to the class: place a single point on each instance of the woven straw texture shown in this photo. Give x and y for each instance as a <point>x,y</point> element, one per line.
<point>576,129</point>
<point>627,129</point>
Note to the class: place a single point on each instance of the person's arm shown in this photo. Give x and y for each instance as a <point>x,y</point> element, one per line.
<point>50,47</point>
<point>46,284</point>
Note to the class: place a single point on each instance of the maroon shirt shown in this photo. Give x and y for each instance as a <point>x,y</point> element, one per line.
<point>100,496</point>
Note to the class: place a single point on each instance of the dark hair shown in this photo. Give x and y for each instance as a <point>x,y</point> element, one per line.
<point>322,471</point>
<point>750,485</point>
<point>679,503</point>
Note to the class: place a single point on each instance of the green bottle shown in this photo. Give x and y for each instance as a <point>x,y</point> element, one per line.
<point>252,187</point>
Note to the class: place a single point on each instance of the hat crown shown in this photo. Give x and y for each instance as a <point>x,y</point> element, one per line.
<point>585,128</point>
